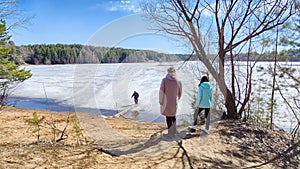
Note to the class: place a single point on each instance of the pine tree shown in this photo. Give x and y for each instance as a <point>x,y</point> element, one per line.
<point>10,74</point>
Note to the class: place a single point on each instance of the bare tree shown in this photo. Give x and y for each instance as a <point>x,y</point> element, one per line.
<point>235,22</point>
<point>291,101</point>
<point>9,11</point>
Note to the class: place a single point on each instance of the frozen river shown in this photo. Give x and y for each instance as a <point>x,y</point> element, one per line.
<point>106,89</point>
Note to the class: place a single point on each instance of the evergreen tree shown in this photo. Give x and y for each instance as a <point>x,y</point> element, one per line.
<point>10,74</point>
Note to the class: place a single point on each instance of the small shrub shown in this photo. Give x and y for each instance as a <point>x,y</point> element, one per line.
<point>36,123</point>
<point>76,128</point>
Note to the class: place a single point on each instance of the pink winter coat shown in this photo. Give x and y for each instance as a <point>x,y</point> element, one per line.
<point>169,94</point>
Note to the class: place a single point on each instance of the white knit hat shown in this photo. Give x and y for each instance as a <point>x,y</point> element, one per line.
<point>171,70</point>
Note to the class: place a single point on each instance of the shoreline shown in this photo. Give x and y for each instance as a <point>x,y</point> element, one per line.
<point>52,106</point>
<point>130,111</point>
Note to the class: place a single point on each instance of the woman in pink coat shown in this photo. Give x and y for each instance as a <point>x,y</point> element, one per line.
<point>170,93</point>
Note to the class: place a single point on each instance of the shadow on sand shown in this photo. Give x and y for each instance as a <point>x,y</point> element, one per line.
<point>155,146</point>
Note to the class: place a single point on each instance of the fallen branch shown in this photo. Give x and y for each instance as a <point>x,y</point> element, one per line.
<point>107,152</point>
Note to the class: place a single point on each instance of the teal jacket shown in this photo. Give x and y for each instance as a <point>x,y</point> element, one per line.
<point>204,98</point>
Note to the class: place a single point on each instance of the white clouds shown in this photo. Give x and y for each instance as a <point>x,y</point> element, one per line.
<point>129,6</point>
<point>118,6</point>
<point>125,2</point>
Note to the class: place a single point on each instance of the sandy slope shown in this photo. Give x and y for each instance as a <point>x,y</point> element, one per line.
<point>116,142</point>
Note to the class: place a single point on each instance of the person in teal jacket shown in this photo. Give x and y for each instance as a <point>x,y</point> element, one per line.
<point>204,100</point>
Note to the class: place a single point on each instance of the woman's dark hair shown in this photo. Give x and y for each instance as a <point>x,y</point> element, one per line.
<point>203,79</point>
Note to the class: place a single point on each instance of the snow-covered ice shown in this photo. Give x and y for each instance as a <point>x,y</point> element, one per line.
<point>100,88</point>
<point>106,89</point>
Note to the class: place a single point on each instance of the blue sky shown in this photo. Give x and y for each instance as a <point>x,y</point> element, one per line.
<point>112,22</point>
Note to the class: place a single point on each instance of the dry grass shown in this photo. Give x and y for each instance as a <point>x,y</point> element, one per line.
<point>220,149</point>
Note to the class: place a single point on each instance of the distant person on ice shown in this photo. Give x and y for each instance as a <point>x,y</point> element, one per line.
<point>135,96</point>
<point>169,94</point>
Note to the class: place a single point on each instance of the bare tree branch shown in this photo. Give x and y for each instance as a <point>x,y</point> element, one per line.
<point>9,11</point>
<point>235,22</point>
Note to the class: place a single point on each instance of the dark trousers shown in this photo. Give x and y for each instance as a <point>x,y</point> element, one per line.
<point>197,112</point>
<point>171,123</point>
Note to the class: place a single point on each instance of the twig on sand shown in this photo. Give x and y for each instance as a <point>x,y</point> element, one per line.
<point>107,152</point>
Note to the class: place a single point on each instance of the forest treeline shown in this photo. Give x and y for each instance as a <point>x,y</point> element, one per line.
<point>83,54</point>
<point>291,55</point>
